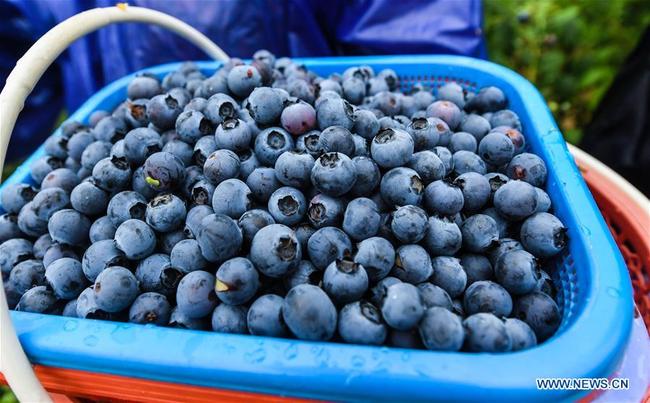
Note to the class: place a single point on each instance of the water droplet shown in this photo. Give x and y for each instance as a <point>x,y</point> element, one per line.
<point>585,229</point>
<point>230,349</point>
<point>406,356</point>
<point>256,356</point>
<point>91,341</point>
<point>614,292</point>
<point>291,352</point>
<point>357,361</point>
<point>70,325</point>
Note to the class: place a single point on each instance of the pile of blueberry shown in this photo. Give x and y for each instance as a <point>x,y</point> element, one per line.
<point>265,199</point>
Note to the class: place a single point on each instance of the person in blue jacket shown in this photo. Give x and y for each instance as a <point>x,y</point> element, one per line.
<point>291,28</point>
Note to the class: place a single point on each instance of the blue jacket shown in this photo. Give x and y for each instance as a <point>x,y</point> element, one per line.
<point>285,27</point>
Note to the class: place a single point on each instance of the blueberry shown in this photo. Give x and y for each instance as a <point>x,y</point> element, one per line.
<point>287,205</point>
<point>117,150</point>
<point>264,317</point>
<point>540,312</point>
<point>298,118</point>
<point>487,296</point>
<point>432,295</point>
<point>452,92</point>
<point>361,219</point>
<point>521,334</point>
<point>366,124</point>
<point>202,192</point>
<point>58,251</point>
<point>303,232</point>
<point>14,196</point>
<point>135,238</point>
<point>126,205</point>
<point>309,313</point>
<point>405,339</point>
<point>360,322</point>
<point>376,85</point>
<point>345,281</point>
<point>335,112</point>
<point>301,89</point>
<point>41,245</point>
<point>401,186</point>
<point>367,176</point>
<point>63,178</point>
<point>203,148</point>
<point>25,275</point>
<point>56,146</point>
<point>446,111</point>
<point>78,142</point>
<point>110,129</point>
<point>529,168</point>
<point>186,256</point>
<point>167,240</point>
<point>480,233</point>
<point>518,139</point>
<point>99,256</point>
<point>39,299</point>
<point>71,127</point>
<point>294,168</point>
<point>150,307</point>
<point>449,275</point>
<point>180,149</point>
<point>515,200</point>
<point>442,330</point>
<point>446,157</point>
<point>195,294</point>
<point>216,84</point>
<point>545,284</point>
<point>47,202</point>
<point>275,250</point>
<point>242,80</point>
<point>496,148</point>
<point>193,219</point>
<point>232,197</point>
<point>252,221</point>
<point>230,319</point>
<point>402,306</point>
<point>543,235</point>
<point>409,224</point>
<point>264,105</point>
<point>443,236</point>
<point>504,245</point>
<point>135,112</point>
<point>66,278</point>
<point>233,134</point>
<point>496,180</point>
<point>143,86</point>
<point>220,107</point>
<point>337,139</point>
<point>387,102</point>
<point>247,163</point>
<point>179,320</point>
<point>93,153</point>
<point>488,99</point>
<point>44,165</point>
<point>164,171</point>
<point>428,165</point>
<point>271,143</point>
<point>392,148</point>
<point>140,143</point>
<point>412,264</point>
<point>163,109</point>
<point>89,199</point>
<point>377,256</point>
<point>192,125</point>
<point>462,141</point>
<point>324,211</point>
<point>87,308</point>
<point>30,223</point>
<point>354,90</point>
<point>484,332</point>
<point>333,174</point>
<point>467,161</point>
<point>70,309</point>
<point>328,244</point>
<point>477,267</point>
<point>444,197</point>
<point>310,143</point>
<point>476,125</point>
<point>112,173</point>
<point>221,230</point>
<point>237,281</point>
<point>543,201</point>
<point>69,227</point>
<point>115,289</point>
<point>505,117</point>
<point>517,271</point>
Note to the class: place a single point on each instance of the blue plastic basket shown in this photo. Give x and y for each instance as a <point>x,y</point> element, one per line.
<point>595,295</point>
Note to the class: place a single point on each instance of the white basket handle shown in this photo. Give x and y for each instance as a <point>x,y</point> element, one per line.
<point>13,362</point>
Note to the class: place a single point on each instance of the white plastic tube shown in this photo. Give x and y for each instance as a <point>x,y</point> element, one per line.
<point>13,362</point>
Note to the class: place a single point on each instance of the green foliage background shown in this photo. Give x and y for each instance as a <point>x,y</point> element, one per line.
<point>571,50</point>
